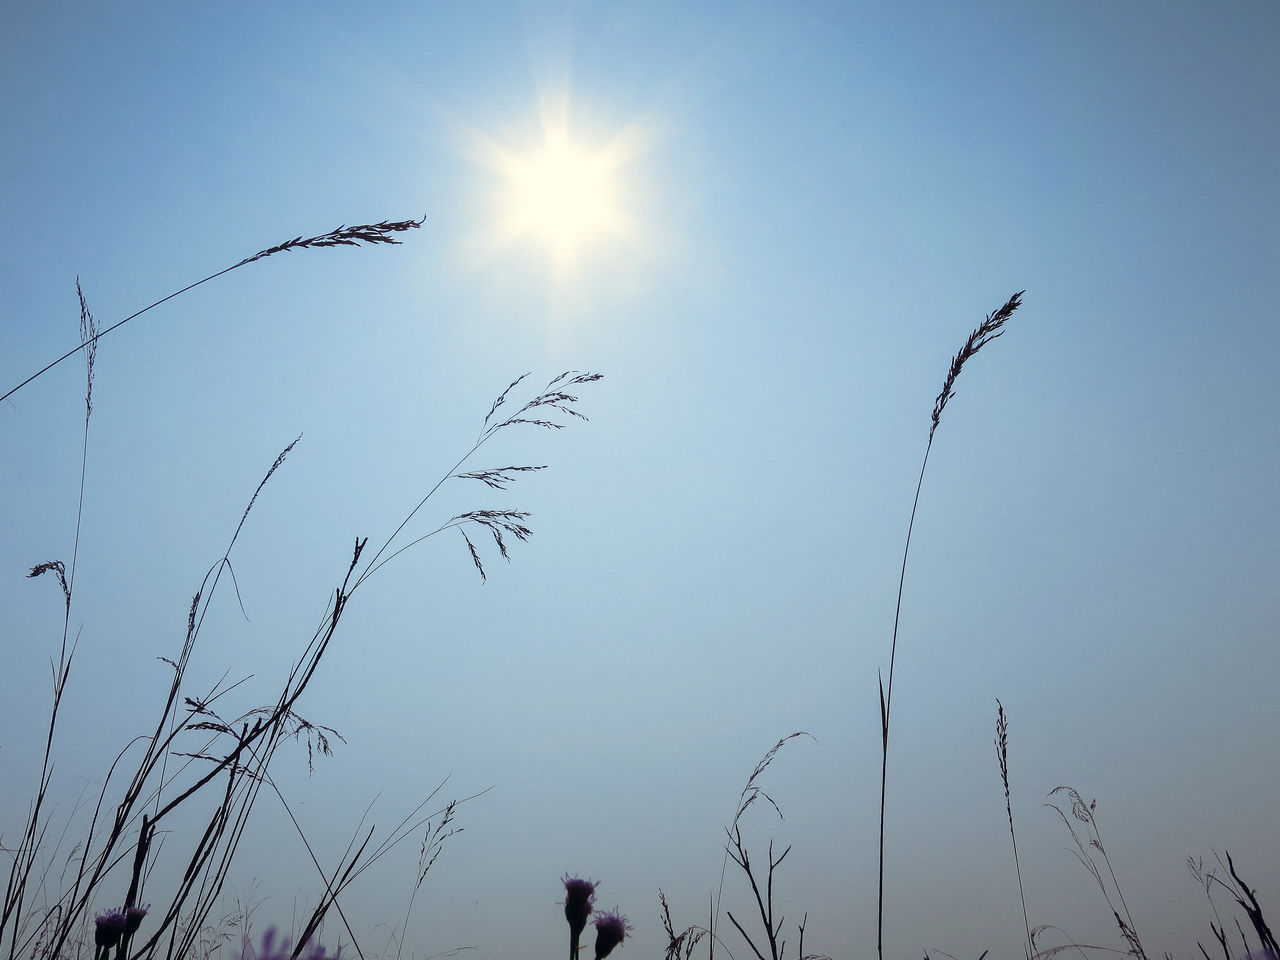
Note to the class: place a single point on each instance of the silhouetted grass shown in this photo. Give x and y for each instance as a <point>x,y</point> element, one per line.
<point>1002,756</point>
<point>990,329</point>
<point>198,752</point>
<point>200,756</point>
<point>766,940</point>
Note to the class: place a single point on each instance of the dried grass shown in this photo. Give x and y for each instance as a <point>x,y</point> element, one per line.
<point>195,752</point>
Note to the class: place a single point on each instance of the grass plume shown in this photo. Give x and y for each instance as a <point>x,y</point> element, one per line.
<point>366,233</point>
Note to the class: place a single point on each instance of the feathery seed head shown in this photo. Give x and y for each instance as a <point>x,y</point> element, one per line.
<point>984,333</point>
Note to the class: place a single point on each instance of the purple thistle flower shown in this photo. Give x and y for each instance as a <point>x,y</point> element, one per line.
<point>611,929</point>
<point>108,928</point>
<point>579,899</point>
<point>133,919</point>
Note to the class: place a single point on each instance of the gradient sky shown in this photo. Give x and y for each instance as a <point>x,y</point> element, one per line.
<point>817,203</point>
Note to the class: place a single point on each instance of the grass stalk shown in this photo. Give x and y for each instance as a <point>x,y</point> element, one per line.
<point>1002,753</point>
<point>990,329</point>
<point>1083,852</point>
<point>344,236</point>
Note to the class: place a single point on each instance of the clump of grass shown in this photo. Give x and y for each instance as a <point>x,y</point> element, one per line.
<point>770,928</point>
<point>1084,852</point>
<point>1091,853</point>
<point>1247,899</point>
<point>198,751</point>
<point>768,940</point>
<point>680,946</point>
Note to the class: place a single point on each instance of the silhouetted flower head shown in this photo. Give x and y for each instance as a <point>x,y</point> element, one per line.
<point>611,929</point>
<point>579,898</point>
<point>108,928</point>
<point>133,919</point>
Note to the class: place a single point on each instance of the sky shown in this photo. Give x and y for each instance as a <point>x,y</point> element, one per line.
<point>794,216</point>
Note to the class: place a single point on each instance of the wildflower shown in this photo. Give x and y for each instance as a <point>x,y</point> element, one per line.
<point>611,930</point>
<point>579,898</point>
<point>108,928</point>
<point>133,919</point>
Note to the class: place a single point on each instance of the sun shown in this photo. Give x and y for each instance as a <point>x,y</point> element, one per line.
<point>566,195</point>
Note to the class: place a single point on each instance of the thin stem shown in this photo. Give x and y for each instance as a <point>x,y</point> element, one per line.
<point>119,323</point>
<point>886,700</point>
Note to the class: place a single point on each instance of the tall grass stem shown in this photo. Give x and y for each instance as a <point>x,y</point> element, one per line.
<point>984,333</point>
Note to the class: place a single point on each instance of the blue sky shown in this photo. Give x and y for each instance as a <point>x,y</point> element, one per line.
<point>821,200</point>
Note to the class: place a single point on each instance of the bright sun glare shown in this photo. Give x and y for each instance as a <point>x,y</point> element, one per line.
<point>564,194</point>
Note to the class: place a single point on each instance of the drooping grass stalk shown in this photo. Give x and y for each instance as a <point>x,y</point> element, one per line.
<point>1083,852</point>
<point>984,333</point>
<point>554,399</point>
<point>344,236</point>
<point>1002,753</point>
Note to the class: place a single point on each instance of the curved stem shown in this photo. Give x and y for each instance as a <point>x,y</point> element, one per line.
<point>886,700</point>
